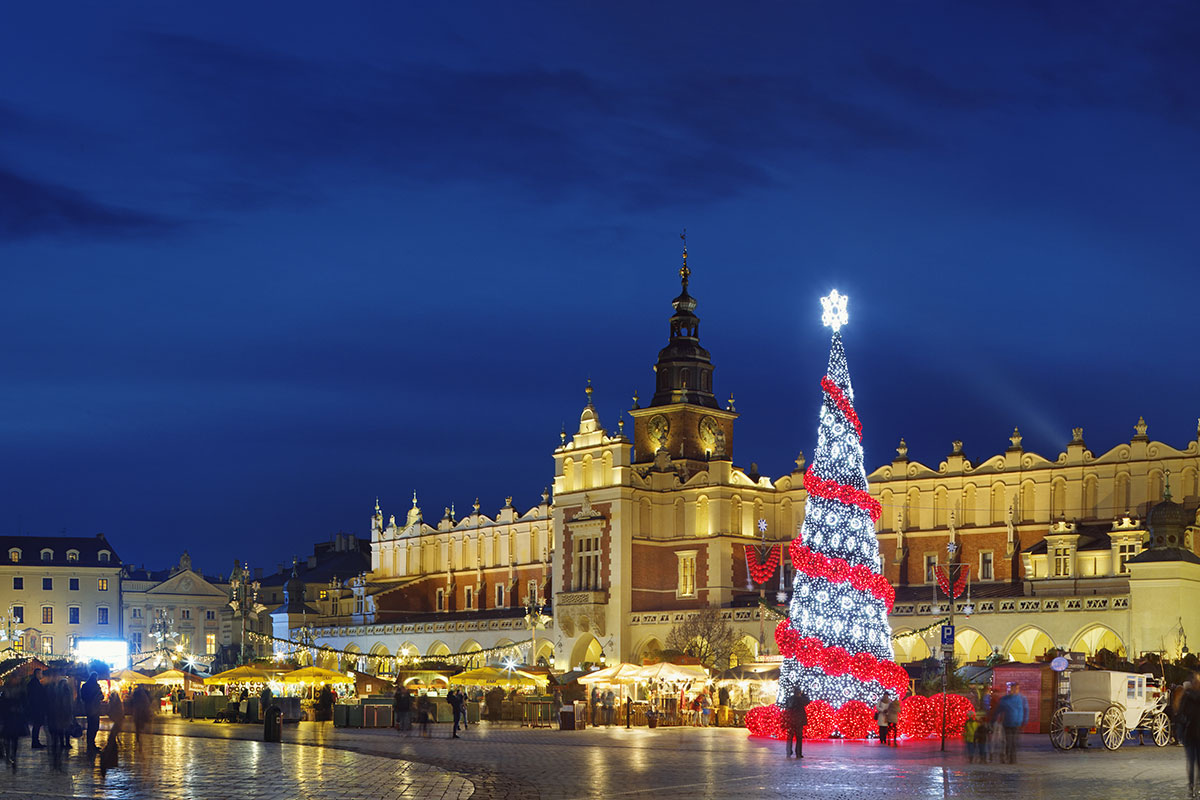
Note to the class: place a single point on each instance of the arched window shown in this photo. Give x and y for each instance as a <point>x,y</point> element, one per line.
<point>72,555</point>
<point>47,554</point>
<point>104,557</point>
<point>14,554</point>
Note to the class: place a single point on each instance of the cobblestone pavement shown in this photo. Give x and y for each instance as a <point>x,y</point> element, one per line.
<point>674,762</point>
<point>503,761</point>
<point>195,768</point>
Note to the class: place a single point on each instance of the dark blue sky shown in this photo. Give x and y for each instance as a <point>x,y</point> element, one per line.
<point>262,264</point>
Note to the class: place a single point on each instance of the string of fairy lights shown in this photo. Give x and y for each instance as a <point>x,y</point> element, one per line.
<point>285,649</point>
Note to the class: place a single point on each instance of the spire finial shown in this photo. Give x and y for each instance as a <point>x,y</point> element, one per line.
<point>377,511</point>
<point>1167,486</point>
<point>833,313</point>
<point>414,498</point>
<point>684,272</point>
<point>588,390</point>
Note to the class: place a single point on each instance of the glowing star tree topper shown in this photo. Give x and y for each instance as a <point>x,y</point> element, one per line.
<point>836,642</point>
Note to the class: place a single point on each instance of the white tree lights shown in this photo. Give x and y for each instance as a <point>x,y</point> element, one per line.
<point>837,641</point>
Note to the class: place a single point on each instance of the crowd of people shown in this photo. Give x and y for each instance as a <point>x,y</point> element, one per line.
<point>54,703</point>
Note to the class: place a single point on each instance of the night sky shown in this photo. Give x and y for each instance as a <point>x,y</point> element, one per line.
<point>261,265</point>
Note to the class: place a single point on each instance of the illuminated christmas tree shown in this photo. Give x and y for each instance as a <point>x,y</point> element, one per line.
<point>837,642</point>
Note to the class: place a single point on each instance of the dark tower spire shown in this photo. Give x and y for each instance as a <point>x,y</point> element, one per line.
<point>684,367</point>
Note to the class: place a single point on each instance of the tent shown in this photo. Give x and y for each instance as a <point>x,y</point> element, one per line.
<point>623,674</point>
<point>237,675</point>
<point>495,676</point>
<point>316,676</point>
<point>672,673</point>
<point>132,677</point>
<point>177,677</point>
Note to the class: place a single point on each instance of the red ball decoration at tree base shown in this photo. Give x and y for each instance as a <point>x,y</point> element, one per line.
<point>766,721</point>
<point>855,720</point>
<point>821,720</point>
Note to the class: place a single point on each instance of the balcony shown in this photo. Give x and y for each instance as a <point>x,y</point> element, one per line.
<point>581,598</point>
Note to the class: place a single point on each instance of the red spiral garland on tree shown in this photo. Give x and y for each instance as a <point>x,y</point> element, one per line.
<point>832,490</point>
<point>812,652</point>
<point>839,570</point>
<point>843,403</point>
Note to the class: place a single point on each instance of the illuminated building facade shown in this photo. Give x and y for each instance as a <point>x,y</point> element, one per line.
<point>649,525</point>
<point>55,590</point>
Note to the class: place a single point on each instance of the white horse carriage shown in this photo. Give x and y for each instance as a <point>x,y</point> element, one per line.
<point>1114,704</point>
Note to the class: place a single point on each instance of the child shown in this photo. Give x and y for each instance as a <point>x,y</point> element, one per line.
<point>981,740</point>
<point>970,729</point>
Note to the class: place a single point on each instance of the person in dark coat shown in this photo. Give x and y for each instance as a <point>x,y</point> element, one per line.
<point>35,707</point>
<point>1187,727</point>
<point>403,706</point>
<point>60,715</point>
<point>140,704</point>
<point>324,707</point>
<point>90,697</point>
<point>795,717</point>
<point>456,699</point>
<point>12,724</point>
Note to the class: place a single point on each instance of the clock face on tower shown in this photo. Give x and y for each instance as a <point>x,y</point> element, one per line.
<point>658,428</point>
<point>709,430</point>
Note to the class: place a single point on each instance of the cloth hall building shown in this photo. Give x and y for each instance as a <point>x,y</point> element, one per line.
<point>641,528</point>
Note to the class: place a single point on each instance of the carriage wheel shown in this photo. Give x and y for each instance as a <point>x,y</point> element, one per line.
<point>1061,736</point>
<point>1160,729</point>
<point>1112,727</point>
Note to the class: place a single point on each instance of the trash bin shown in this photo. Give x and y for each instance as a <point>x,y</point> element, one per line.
<point>273,724</point>
<point>566,718</point>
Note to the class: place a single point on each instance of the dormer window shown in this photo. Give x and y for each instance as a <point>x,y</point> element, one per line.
<point>104,557</point>
<point>47,554</point>
<point>72,555</point>
<point>14,554</point>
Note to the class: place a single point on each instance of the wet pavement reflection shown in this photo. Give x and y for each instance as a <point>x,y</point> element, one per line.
<point>177,767</point>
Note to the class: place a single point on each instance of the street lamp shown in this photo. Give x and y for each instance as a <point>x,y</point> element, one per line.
<point>534,619</point>
<point>9,632</point>
<point>244,600</point>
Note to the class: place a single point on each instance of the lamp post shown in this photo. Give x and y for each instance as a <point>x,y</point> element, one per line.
<point>244,600</point>
<point>9,632</point>
<point>535,619</point>
<point>953,572</point>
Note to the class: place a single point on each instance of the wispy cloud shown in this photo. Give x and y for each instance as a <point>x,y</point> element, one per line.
<point>30,208</point>
<point>548,132</point>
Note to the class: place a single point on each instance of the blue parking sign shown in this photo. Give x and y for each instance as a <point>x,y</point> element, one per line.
<point>948,635</point>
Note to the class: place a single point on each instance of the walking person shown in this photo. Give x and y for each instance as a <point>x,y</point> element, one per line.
<point>60,715</point>
<point>35,707</point>
<point>403,706</point>
<point>140,704</point>
<point>324,706</point>
<point>881,718</point>
<point>1014,710</point>
<point>995,729</point>
<point>13,724</point>
<point>795,717</point>
<point>90,695</point>
<point>1187,726</point>
<point>893,719</point>
<point>423,708</point>
<point>970,728</point>
<point>981,739</point>
<point>455,699</point>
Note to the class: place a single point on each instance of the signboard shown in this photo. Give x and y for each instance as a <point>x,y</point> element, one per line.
<point>1059,664</point>
<point>947,636</point>
<point>114,652</point>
